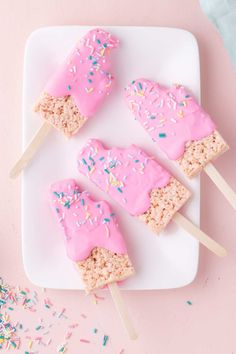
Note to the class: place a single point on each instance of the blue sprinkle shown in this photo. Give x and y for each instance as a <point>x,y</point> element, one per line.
<point>94,62</point>
<point>84,161</point>
<point>187,96</point>
<point>189,302</point>
<point>98,205</point>
<point>106,220</point>
<point>98,41</point>
<point>82,201</point>
<point>120,190</point>
<point>105,339</point>
<point>90,57</point>
<point>56,194</point>
<point>67,204</point>
<point>162,135</point>
<point>112,164</point>
<point>112,214</point>
<point>152,117</point>
<point>91,159</point>
<point>101,158</point>
<point>133,82</point>
<point>90,81</point>
<point>136,161</point>
<point>140,86</point>
<point>91,73</point>
<point>104,45</point>
<point>57,210</point>
<point>69,87</point>
<point>106,170</point>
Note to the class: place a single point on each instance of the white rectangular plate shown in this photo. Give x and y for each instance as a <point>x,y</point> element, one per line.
<point>167,55</point>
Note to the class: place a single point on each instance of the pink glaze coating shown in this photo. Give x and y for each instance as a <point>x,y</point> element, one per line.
<point>127,175</point>
<point>86,223</point>
<point>85,74</point>
<point>171,116</point>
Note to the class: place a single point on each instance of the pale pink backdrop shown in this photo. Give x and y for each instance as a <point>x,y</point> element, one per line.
<point>166,324</point>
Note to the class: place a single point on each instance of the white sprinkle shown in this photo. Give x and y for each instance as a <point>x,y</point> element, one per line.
<point>107,230</point>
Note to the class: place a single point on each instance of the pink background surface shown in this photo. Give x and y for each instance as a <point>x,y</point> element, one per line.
<point>166,324</point>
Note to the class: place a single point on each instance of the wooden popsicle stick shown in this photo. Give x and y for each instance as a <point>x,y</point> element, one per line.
<point>221,183</point>
<point>122,310</point>
<point>31,150</point>
<point>187,225</point>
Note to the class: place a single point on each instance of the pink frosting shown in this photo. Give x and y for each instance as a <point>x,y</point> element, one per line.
<point>85,74</point>
<point>86,223</point>
<point>171,116</point>
<point>127,175</point>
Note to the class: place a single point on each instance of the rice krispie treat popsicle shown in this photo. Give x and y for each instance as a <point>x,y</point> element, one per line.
<point>76,91</point>
<point>92,239</point>
<point>180,127</point>
<point>141,185</point>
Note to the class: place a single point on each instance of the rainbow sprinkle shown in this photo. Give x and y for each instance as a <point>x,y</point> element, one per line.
<point>105,339</point>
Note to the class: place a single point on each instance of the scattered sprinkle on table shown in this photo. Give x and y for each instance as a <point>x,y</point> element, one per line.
<point>105,339</point>
<point>18,336</point>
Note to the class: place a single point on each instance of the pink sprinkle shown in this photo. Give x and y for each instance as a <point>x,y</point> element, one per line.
<point>62,312</point>
<point>68,335</point>
<point>83,315</point>
<point>49,341</point>
<point>84,341</point>
<point>38,338</point>
<point>74,325</point>
<point>99,297</point>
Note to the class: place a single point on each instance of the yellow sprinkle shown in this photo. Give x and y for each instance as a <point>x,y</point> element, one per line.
<point>140,93</point>
<point>102,52</point>
<point>87,216</point>
<point>108,84</point>
<point>92,170</point>
<point>180,114</point>
<point>113,181</point>
<point>89,90</point>
<point>30,344</point>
